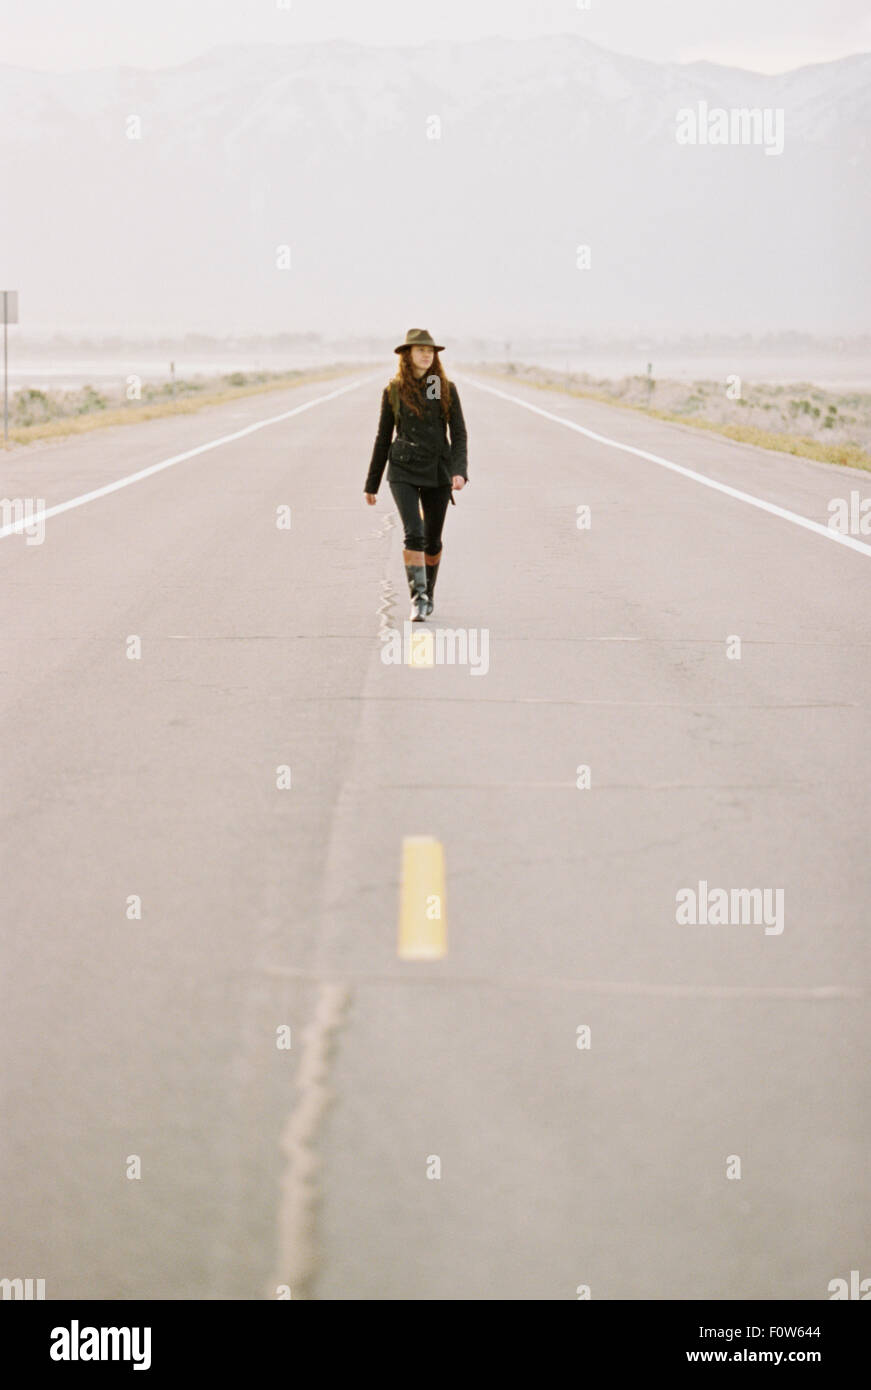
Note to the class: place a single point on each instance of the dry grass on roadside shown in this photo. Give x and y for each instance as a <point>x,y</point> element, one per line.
<point>842,421</point>
<point>94,411</point>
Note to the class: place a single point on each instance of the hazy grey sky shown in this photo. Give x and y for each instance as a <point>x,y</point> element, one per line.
<point>766,35</point>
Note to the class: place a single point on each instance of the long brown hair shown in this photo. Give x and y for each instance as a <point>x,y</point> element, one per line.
<point>409,388</point>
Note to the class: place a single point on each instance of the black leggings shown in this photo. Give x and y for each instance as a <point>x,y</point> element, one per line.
<point>426,533</point>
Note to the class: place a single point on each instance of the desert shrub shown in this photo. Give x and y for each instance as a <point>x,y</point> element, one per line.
<point>31,407</point>
<point>88,400</point>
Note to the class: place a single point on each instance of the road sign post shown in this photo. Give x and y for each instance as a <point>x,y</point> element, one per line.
<point>9,307</point>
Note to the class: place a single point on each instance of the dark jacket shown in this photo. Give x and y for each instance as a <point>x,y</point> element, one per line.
<point>421,453</point>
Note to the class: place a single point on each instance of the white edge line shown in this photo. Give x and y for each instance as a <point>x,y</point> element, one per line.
<point>17,527</point>
<point>771,507</point>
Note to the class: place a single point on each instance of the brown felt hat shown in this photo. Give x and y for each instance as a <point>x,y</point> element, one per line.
<point>419,337</point>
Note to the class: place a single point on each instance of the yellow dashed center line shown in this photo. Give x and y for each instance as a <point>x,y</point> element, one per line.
<point>423,933</point>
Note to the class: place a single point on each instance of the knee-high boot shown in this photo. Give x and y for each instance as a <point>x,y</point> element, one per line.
<point>415,573</point>
<point>432,569</point>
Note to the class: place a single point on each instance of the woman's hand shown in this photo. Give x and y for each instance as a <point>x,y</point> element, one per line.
<point>458,483</point>
<point>370,498</point>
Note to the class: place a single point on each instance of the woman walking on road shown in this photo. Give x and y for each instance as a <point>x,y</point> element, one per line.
<point>425,465</point>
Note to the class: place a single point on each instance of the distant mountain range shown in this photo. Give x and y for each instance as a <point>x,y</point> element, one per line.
<point>546,145</point>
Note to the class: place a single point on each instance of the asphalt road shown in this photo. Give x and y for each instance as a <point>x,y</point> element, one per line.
<point>268,907</point>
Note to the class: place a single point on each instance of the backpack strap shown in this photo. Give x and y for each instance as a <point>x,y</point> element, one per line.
<point>393,393</point>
